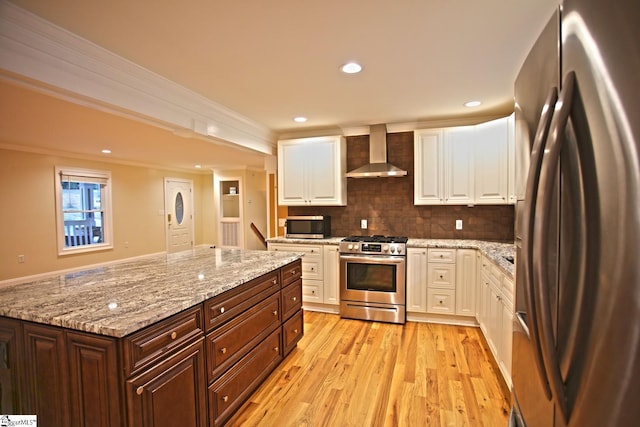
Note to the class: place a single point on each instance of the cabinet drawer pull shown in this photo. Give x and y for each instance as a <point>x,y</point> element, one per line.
<point>174,335</point>
<point>294,299</point>
<point>139,390</point>
<point>225,398</point>
<point>221,310</point>
<point>275,312</point>
<point>223,350</point>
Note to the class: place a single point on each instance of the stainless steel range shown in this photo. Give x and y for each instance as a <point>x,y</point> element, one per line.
<point>373,278</point>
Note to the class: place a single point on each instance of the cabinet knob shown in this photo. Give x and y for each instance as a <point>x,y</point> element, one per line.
<point>276,349</point>
<point>221,310</point>
<point>174,335</point>
<point>441,256</point>
<point>225,398</point>
<point>275,312</point>
<point>441,276</point>
<point>223,350</point>
<point>139,390</point>
<point>313,292</point>
<point>293,272</point>
<point>274,281</point>
<point>294,299</point>
<point>440,302</point>
<point>295,331</point>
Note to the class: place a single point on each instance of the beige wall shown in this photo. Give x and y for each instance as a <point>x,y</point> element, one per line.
<point>28,219</point>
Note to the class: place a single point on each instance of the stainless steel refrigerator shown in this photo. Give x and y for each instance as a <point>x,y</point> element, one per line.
<point>576,340</point>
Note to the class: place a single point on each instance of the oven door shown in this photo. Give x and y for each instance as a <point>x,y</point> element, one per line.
<point>374,279</point>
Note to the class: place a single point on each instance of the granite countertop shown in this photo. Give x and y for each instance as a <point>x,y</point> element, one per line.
<point>119,299</point>
<point>493,250</point>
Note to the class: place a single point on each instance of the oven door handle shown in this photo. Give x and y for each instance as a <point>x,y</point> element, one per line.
<point>373,259</point>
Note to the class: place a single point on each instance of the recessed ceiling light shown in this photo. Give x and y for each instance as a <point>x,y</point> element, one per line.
<point>472,103</point>
<point>351,68</point>
<point>197,166</point>
<point>300,119</point>
<point>106,151</point>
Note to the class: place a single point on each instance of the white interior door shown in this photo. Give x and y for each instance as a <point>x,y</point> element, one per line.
<point>179,214</point>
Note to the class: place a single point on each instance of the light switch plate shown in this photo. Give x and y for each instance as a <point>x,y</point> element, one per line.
<point>458,224</point>
<point>363,224</point>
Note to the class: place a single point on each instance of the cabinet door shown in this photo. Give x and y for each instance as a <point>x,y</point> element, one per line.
<point>292,161</point>
<point>311,171</point>
<point>11,367</point>
<point>331,275</point>
<point>506,340</point>
<point>428,167</point>
<point>94,384</point>
<point>172,393</point>
<point>46,375</point>
<point>459,165</point>
<point>322,172</point>
<point>511,160</point>
<point>466,274</point>
<point>491,162</point>
<point>417,280</point>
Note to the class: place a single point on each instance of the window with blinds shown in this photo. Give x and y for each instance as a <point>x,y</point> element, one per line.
<point>83,210</point>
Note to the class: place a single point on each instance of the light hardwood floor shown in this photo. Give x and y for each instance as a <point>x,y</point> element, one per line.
<point>356,373</point>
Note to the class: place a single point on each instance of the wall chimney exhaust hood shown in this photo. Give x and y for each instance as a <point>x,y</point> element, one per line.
<point>377,166</point>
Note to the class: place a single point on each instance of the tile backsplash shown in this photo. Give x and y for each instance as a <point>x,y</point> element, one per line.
<point>387,203</point>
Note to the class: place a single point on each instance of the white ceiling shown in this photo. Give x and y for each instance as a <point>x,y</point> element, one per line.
<point>272,60</point>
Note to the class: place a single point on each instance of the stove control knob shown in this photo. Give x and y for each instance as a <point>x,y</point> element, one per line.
<point>385,248</point>
<point>350,246</point>
<point>399,249</point>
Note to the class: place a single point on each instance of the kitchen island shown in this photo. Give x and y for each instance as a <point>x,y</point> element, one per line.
<point>178,339</point>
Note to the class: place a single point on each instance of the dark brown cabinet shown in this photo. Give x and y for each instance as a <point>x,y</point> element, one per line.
<point>10,357</point>
<point>94,383</point>
<point>194,368</point>
<point>171,393</point>
<point>46,374</point>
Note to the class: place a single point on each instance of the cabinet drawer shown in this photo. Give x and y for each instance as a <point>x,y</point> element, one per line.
<point>441,301</point>
<point>226,306</point>
<point>312,268</point>
<point>312,290</point>
<point>441,275</point>
<point>441,255</point>
<point>507,289</point>
<point>236,385</point>
<point>291,299</point>
<point>291,272</point>
<point>233,340</point>
<point>292,331</point>
<point>145,347</point>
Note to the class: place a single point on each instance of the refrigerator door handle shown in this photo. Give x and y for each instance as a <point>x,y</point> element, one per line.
<point>548,170</point>
<point>531,193</point>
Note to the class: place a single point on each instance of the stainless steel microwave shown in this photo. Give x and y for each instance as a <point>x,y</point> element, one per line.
<point>308,227</point>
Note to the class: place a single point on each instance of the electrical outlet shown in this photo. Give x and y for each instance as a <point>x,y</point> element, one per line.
<point>20,259</point>
<point>363,224</point>
<point>458,224</point>
<point>282,222</point>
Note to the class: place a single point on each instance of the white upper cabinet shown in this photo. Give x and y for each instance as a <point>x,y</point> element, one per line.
<point>463,165</point>
<point>428,167</point>
<point>459,165</point>
<point>491,140</point>
<point>311,171</point>
<point>511,164</point>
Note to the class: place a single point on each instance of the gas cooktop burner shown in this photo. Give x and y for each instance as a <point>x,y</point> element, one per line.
<point>376,239</point>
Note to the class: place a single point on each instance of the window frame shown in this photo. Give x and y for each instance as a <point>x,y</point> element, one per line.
<point>102,177</point>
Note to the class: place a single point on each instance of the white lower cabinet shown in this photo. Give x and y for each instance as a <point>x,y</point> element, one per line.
<point>495,314</point>
<point>331,256</point>
<point>416,280</point>
<point>320,274</point>
<point>441,281</point>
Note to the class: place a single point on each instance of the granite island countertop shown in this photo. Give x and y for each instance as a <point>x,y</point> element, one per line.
<point>122,298</point>
<point>493,250</point>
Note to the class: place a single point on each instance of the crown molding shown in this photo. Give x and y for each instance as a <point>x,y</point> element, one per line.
<point>52,58</point>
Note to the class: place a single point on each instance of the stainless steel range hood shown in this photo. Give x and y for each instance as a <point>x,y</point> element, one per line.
<point>378,166</point>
